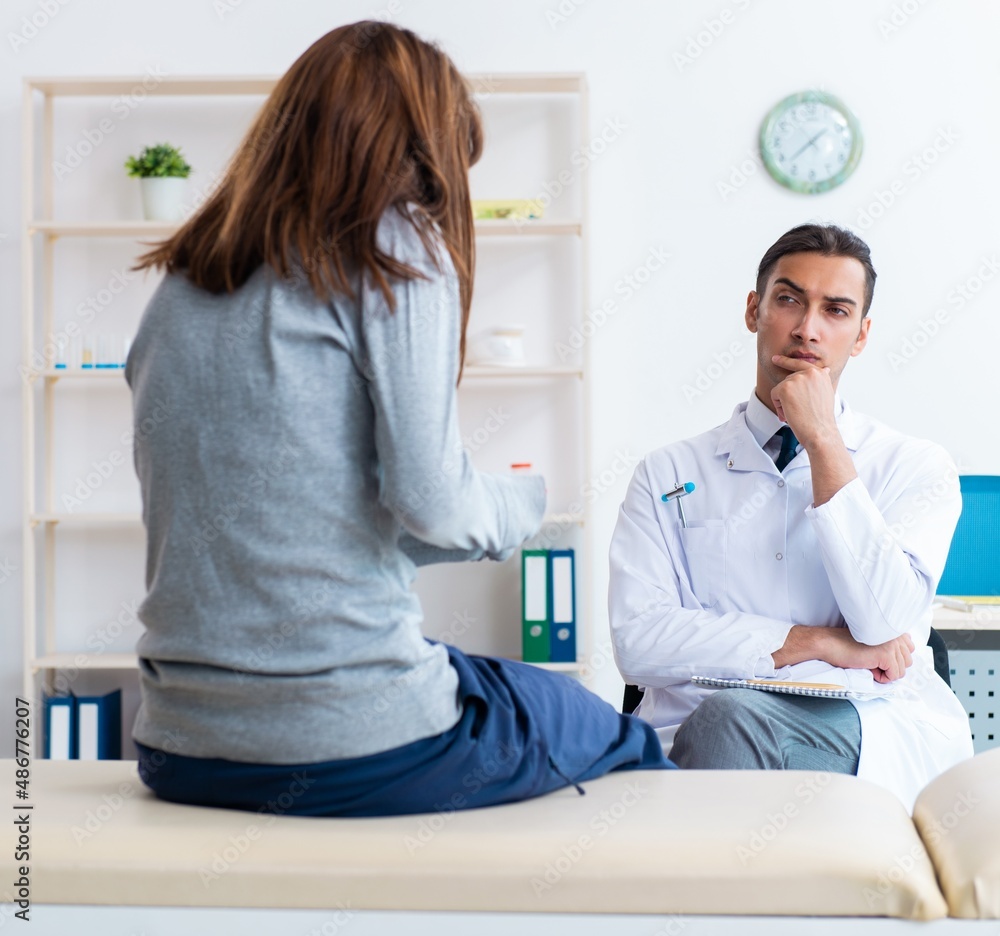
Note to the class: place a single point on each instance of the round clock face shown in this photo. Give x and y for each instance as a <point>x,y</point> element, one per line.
<point>810,142</point>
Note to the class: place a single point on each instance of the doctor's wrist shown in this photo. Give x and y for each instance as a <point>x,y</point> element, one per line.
<point>801,643</point>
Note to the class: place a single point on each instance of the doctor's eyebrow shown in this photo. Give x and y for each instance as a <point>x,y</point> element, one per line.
<point>795,287</point>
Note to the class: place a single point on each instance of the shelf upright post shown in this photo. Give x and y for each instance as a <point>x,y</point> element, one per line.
<point>48,386</point>
<point>27,390</point>
<point>585,652</point>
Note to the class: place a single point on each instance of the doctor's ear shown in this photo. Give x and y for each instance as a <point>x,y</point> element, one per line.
<point>751,313</point>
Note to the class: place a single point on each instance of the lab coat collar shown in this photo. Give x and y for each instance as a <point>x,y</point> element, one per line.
<point>743,452</point>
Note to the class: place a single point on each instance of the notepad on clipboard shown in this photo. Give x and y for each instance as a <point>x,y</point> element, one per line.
<point>834,683</point>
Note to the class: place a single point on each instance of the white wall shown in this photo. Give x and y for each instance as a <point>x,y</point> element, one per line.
<point>686,129</point>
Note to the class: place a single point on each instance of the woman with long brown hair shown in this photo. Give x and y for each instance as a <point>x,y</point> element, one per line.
<point>305,345</point>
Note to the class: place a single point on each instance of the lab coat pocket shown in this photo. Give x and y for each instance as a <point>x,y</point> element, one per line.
<point>704,544</point>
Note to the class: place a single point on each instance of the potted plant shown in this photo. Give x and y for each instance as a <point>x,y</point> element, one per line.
<point>162,171</point>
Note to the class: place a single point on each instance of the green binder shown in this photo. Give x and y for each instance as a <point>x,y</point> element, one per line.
<point>535,605</point>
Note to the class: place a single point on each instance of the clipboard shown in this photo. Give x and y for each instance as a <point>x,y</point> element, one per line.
<point>790,687</point>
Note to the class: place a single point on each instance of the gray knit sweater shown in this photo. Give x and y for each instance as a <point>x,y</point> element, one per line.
<point>298,459</point>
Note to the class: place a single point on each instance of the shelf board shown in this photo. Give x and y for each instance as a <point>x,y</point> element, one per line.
<point>504,227</point>
<point>157,229</point>
<point>559,667</point>
<point>564,519</point>
<point>480,372</point>
<point>85,660</point>
<point>78,373</point>
<point>472,372</point>
<point>482,85</point>
<point>99,661</point>
<point>87,520</point>
<point>98,86</point>
<point>122,228</point>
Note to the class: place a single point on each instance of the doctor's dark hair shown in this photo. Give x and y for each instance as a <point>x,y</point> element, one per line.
<point>368,118</point>
<point>826,239</point>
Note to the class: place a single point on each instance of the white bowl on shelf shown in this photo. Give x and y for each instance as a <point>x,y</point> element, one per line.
<point>502,346</point>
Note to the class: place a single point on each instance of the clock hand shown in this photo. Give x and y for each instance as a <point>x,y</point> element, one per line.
<point>808,144</point>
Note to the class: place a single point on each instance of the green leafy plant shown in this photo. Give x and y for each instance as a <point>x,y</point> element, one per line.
<point>159,161</point>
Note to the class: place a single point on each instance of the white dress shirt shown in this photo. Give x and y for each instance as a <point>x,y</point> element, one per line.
<point>719,596</point>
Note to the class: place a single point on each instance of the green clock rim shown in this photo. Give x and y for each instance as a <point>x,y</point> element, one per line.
<point>797,185</point>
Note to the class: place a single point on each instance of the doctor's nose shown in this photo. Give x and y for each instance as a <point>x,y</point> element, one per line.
<point>808,326</point>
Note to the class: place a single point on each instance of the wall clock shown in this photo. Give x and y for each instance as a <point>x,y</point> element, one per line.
<point>810,142</point>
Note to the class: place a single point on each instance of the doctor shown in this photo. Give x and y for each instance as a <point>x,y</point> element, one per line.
<point>814,534</point>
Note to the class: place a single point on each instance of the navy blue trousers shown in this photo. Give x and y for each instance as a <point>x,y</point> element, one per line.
<point>523,732</point>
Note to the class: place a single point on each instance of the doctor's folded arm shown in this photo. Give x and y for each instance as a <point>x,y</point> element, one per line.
<point>826,545</point>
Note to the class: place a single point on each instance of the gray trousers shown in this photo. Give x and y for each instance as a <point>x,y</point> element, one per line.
<point>745,729</point>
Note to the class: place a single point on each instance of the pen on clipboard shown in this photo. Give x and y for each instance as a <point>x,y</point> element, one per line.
<point>676,494</point>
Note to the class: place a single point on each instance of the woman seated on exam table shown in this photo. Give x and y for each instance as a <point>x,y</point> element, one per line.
<point>306,343</point>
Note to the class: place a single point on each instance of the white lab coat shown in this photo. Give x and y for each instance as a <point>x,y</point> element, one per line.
<point>719,597</point>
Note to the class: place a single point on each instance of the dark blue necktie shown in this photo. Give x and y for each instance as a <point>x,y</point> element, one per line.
<point>788,444</point>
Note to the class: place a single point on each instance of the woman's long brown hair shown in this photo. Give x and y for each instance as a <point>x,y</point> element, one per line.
<point>369,117</point>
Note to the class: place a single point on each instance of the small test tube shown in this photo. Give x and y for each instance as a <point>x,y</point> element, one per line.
<point>125,345</point>
<point>103,361</point>
<point>89,354</point>
<point>62,346</point>
<point>75,352</point>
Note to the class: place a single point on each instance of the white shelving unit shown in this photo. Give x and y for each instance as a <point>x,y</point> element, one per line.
<point>44,386</point>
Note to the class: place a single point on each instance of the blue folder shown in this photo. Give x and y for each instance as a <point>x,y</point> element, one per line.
<point>59,727</point>
<point>99,726</point>
<point>562,606</point>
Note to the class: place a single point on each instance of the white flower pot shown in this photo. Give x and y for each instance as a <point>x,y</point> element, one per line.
<point>163,198</point>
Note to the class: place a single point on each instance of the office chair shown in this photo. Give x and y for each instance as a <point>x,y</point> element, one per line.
<point>633,694</point>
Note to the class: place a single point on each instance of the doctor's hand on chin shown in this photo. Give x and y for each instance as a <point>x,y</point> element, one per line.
<point>804,400</point>
<point>834,645</point>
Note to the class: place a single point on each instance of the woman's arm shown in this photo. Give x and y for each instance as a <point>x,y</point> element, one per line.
<point>410,366</point>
